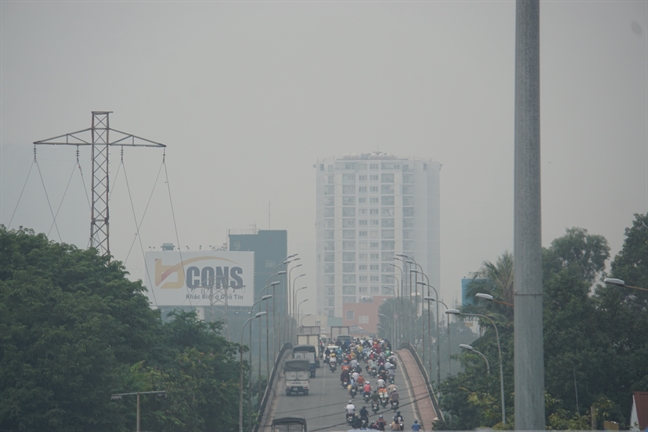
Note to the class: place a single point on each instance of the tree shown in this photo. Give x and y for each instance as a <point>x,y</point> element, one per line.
<point>496,280</point>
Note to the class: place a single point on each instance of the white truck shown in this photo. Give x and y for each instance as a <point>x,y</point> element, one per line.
<point>311,339</point>
<point>297,376</point>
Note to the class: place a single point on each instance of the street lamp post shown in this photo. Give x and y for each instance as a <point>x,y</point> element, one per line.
<point>493,299</point>
<point>299,305</point>
<point>400,297</point>
<point>470,348</point>
<point>437,334</point>
<point>294,300</point>
<point>393,320</point>
<point>499,351</point>
<point>259,314</point>
<point>265,297</point>
<point>621,283</point>
<point>448,329</point>
<point>301,320</point>
<point>118,396</point>
<point>290,305</point>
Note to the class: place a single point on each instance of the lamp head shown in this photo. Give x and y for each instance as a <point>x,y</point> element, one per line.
<point>484,296</point>
<point>614,281</point>
<point>282,272</point>
<point>260,314</point>
<point>452,312</point>
<point>466,347</point>
<point>429,298</point>
<point>266,297</point>
<point>275,283</point>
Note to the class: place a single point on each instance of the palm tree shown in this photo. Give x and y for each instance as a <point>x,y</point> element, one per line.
<point>496,280</point>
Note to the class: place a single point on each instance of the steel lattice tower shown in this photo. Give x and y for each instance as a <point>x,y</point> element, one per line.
<point>99,137</point>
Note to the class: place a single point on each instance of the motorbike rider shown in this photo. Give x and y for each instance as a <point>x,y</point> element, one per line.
<point>367,388</point>
<point>364,413</point>
<point>375,398</point>
<point>398,418</point>
<point>381,423</point>
<point>350,408</point>
<point>391,388</point>
<point>345,376</point>
<point>393,397</point>
<point>361,380</point>
<point>381,383</point>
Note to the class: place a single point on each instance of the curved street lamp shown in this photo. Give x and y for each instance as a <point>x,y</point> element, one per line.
<point>259,314</point>
<point>265,297</point>
<point>302,319</point>
<point>621,283</point>
<point>470,348</point>
<point>448,329</point>
<point>493,299</point>
<point>499,351</point>
<point>300,303</point>
<point>437,332</point>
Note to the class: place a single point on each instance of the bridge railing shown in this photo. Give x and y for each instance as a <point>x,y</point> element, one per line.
<point>270,384</point>
<point>428,384</point>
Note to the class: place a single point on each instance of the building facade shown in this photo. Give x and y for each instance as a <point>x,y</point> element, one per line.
<point>370,208</point>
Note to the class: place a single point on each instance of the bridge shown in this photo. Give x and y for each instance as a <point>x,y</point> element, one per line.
<point>324,406</point>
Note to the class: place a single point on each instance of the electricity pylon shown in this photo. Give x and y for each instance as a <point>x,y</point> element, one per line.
<point>98,135</point>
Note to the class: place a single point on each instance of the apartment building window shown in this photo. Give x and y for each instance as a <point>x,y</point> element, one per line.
<point>362,278</point>
<point>329,268</point>
<point>349,314</point>
<point>348,211</point>
<point>348,234</point>
<point>329,235</point>
<point>362,289</point>
<point>374,289</point>
<point>329,212</point>
<point>374,245</point>
<point>387,222</point>
<point>330,179</point>
<point>362,200</point>
<point>330,290</point>
<point>373,267</point>
<point>408,234</point>
<point>408,245</point>
<point>362,222</point>
<point>387,189</point>
<point>362,177</point>
<point>408,201</point>
<point>329,257</point>
<point>348,289</point>
<point>348,256</point>
<point>348,200</point>
<point>373,166</point>
<point>408,211</point>
<point>387,234</point>
<point>362,189</point>
<point>373,189</point>
<point>348,245</point>
<point>375,256</point>
<point>348,300</point>
<point>348,223</point>
<point>348,189</point>
<point>408,190</point>
<point>363,319</point>
<point>362,267</point>
<point>374,200</point>
<point>387,200</point>
<point>329,223</point>
<point>331,302</point>
<point>374,278</point>
<point>348,279</point>
<point>329,189</point>
<point>349,268</point>
<point>408,223</point>
<point>362,256</point>
<point>329,201</point>
<point>387,178</point>
<point>389,257</point>
<point>375,234</point>
<point>388,245</point>
<point>362,211</point>
<point>331,312</point>
<point>362,233</point>
<point>375,222</point>
<point>387,268</point>
<point>408,178</point>
<point>329,279</point>
<point>362,245</point>
<point>373,211</point>
<point>387,212</point>
<point>373,177</point>
<point>348,178</point>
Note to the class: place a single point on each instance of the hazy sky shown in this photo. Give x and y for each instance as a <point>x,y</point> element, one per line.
<point>248,95</point>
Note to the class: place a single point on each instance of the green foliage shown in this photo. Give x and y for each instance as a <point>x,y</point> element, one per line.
<point>74,330</point>
<point>595,338</point>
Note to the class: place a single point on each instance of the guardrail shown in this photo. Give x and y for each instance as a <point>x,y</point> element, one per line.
<point>270,384</point>
<point>428,384</point>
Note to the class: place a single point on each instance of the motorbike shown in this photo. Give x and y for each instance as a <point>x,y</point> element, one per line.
<point>353,392</point>
<point>374,371</point>
<point>391,379</point>
<point>365,423</point>
<point>345,384</point>
<point>349,418</point>
<point>332,366</point>
<point>375,407</point>
<point>394,404</point>
<point>367,397</point>
<point>384,399</point>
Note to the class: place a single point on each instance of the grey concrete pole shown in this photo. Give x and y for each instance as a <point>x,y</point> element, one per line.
<point>529,362</point>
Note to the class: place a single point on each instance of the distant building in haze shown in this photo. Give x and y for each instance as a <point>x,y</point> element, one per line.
<point>371,207</point>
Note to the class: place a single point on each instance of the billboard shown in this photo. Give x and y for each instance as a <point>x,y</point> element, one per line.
<point>175,278</point>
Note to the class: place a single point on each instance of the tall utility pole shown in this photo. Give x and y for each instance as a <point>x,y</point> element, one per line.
<point>529,361</point>
<point>98,136</point>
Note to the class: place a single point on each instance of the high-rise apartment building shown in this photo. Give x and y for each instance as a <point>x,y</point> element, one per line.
<point>370,208</point>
